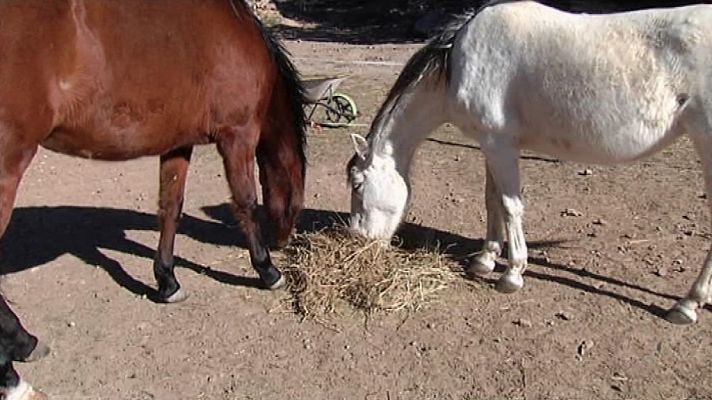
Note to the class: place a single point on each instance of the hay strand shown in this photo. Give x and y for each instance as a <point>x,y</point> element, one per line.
<point>332,268</point>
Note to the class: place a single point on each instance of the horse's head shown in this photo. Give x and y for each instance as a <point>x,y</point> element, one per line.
<point>282,193</point>
<point>379,192</point>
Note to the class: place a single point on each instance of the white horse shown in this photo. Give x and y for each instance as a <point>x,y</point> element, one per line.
<point>520,75</point>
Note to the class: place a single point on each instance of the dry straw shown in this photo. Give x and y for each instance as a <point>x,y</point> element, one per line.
<point>332,268</point>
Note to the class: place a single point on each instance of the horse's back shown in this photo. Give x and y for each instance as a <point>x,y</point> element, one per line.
<point>589,87</point>
<point>119,79</point>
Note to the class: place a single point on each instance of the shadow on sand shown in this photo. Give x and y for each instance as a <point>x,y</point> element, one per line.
<point>38,235</point>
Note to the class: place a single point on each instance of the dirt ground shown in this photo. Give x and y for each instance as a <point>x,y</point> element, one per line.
<point>586,325</point>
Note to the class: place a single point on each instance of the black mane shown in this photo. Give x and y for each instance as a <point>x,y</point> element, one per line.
<point>290,76</point>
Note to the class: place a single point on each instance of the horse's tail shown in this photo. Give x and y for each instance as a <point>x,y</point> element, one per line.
<point>281,148</point>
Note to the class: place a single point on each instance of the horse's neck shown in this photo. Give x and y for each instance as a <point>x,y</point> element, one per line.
<point>404,124</point>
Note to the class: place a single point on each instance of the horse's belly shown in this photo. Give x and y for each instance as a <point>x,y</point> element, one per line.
<point>110,146</point>
<point>600,148</point>
<point>600,126</point>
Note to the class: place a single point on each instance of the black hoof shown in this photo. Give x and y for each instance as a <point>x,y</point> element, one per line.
<point>40,351</point>
<point>271,277</point>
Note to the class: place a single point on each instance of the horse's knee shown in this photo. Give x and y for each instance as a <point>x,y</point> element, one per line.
<point>513,208</point>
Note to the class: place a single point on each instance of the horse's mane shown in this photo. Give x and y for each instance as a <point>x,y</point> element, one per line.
<point>289,75</point>
<point>432,59</point>
<point>435,56</point>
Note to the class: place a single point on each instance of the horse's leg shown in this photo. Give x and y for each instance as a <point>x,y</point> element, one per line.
<point>684,311</point>
<point>174,169</point>
<point>238,155</point>
<point>15,341</point>
<point>503,162</point>
<point>12,387</point>
<point>16,344</point>
<point>484,261</point>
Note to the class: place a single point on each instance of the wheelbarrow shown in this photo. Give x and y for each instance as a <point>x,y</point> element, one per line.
<point>327,107</point>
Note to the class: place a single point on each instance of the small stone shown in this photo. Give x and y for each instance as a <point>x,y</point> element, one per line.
<point>600,221</point>
<point>566,316</point>
<point>584,347</point>
<point>524,323</point>
<point>71,324</point>
<point>617,376</point>
<point>570,212</point>
<point>585,172</point>
<point>662,271</point>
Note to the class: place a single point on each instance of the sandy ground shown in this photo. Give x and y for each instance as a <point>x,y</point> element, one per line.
<point>586,326</point>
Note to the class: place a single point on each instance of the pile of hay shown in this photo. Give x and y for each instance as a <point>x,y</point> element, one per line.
<point>332,268</point>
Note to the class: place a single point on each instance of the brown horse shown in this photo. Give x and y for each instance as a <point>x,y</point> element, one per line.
<point>120,79</point>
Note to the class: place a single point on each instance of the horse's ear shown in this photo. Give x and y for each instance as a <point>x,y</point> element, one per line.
<point>360,145</point>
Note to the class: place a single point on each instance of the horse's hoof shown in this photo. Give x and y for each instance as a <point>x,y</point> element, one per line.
<point>279,284</point>
<point>681,315</point>
<point>23,391</point>
<point>35,395</point>
<point>271,277</point>
<point>40,351</point>
<point>480,267</point>
<point>509,283</point>
<point>177,297</point>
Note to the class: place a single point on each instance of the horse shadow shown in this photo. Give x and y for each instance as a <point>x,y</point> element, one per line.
<point>397,21</point>
<point>38,235</point>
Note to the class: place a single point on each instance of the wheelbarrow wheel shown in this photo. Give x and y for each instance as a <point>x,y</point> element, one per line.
<point>341,109</point>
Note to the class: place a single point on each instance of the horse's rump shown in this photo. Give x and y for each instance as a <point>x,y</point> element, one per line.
<point>582,78</point>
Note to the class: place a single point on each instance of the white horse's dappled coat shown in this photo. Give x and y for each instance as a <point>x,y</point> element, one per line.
<point>520,75</point>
